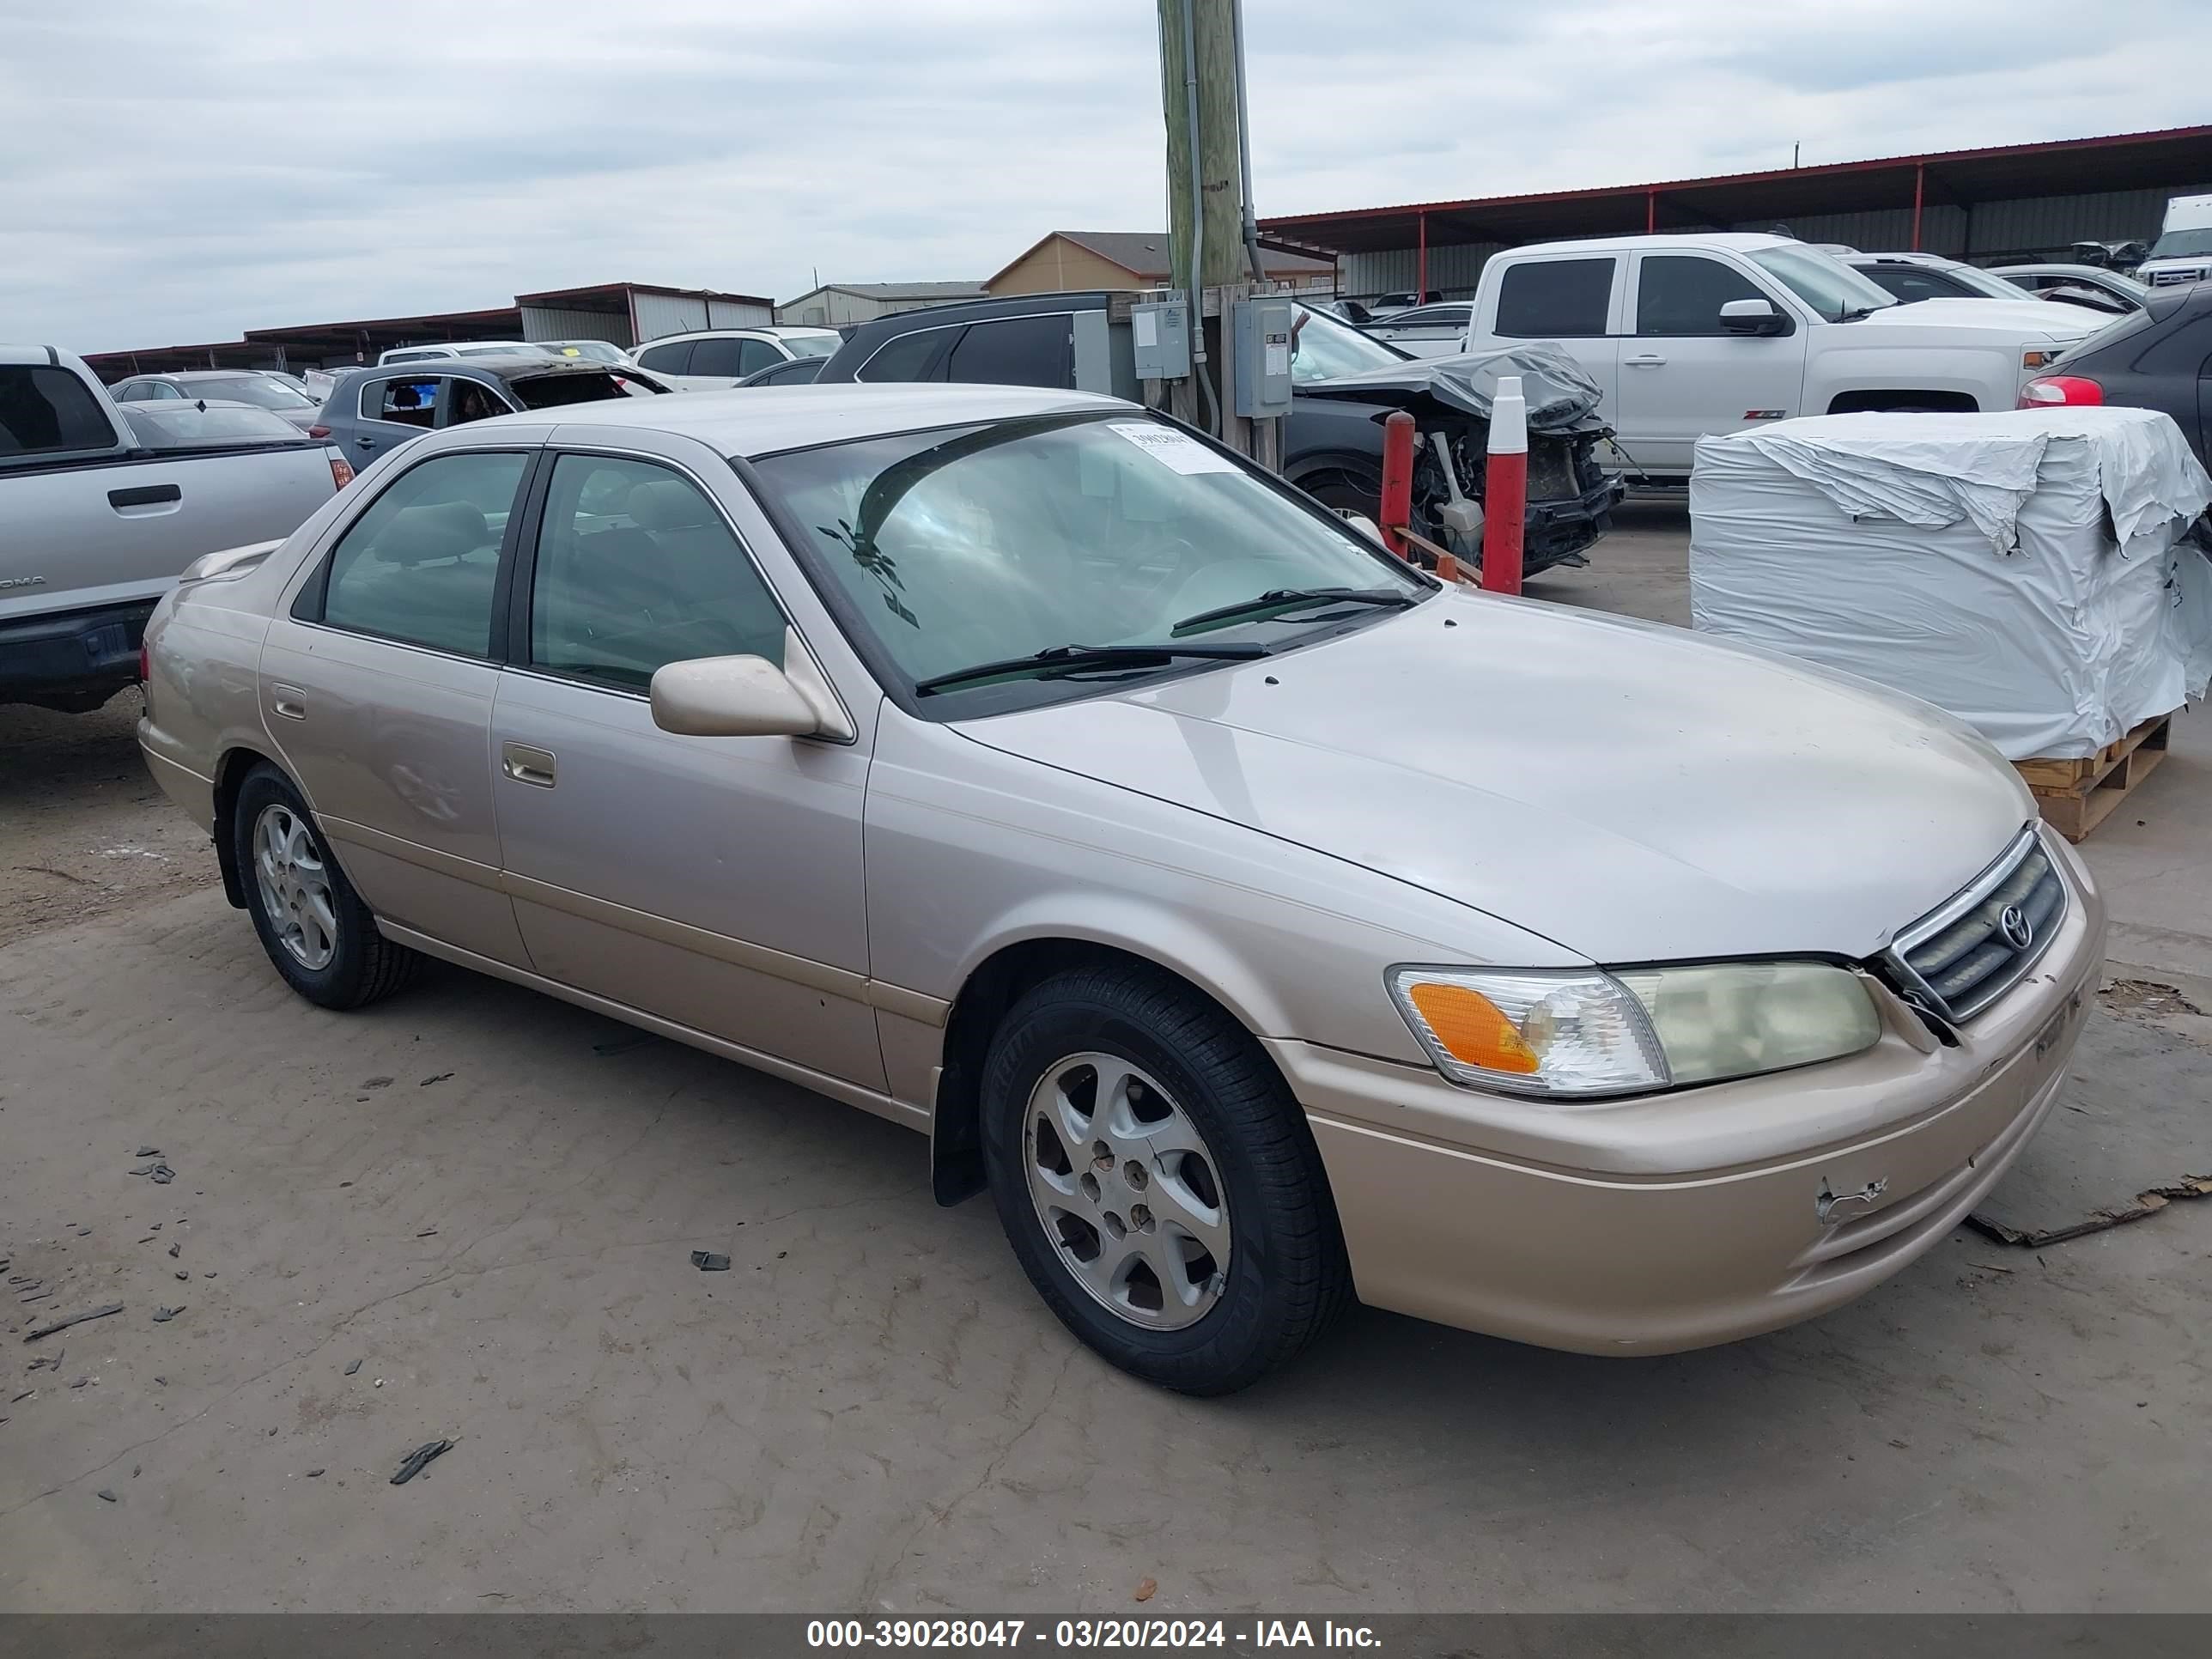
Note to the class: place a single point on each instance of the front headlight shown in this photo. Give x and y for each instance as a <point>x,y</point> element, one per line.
<point>1588,1032</point>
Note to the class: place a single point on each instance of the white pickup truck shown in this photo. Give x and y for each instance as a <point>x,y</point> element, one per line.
<point>1692,335</point>
<point>102,509</point>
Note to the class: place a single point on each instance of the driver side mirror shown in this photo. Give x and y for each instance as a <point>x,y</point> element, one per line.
<point>733,698</point>
<point>1753,317</point>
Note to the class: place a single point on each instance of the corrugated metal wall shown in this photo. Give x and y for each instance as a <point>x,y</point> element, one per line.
<point>666,314</point>
<point>552,323</point>
<point>729,314</point>
<point>1989,231</point>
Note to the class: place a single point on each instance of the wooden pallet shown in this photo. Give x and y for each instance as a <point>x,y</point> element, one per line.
<point>2076,796</point>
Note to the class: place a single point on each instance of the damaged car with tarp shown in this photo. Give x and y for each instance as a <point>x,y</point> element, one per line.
<point>1348,383</point>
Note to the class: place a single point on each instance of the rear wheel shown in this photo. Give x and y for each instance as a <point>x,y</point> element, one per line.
<point>1157,1180</point>
<point>319,934</point>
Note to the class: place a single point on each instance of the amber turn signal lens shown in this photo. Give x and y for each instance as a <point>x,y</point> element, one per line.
<point>1469,1028</point>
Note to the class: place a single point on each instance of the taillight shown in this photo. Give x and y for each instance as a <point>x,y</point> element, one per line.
<point>2050,391</point>
<point>145,665</point>
<point>319,432</point>
<point>341,472</point>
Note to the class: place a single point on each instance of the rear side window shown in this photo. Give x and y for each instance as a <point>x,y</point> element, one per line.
<point>44,409</point>
<point>1553,299</point>
<point>754,356</point>
<point>916,356</point>
<point>1020,351</point>
<point>1679,294</point>
<point>407,403</point>
<point>672,358</point>
<point>422,563</point>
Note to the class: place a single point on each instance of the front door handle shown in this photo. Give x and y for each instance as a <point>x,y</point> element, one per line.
<point>1649,359</point>
<point>527,765</point>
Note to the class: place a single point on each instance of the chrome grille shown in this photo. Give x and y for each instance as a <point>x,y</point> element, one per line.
<point>1963,956</point>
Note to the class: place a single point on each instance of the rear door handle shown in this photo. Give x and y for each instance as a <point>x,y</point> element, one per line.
<point>1649,359</point>
<point>526,764</point>
<point>287,703</point>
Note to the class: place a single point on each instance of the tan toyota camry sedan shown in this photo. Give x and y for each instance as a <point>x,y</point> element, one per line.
<point>1261,923</point>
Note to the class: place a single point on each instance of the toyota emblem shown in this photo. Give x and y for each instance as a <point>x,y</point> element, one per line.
<point>2019,931</point>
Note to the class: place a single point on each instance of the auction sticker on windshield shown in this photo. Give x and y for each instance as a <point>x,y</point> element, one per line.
<point>1176,449</point>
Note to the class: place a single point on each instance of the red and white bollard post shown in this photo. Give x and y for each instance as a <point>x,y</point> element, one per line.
<point>1505,488</point>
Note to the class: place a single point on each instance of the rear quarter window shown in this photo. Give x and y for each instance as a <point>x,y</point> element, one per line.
<point>45,410</point>
<point>556,391</point>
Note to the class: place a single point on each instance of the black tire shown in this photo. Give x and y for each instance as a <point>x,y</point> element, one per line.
<point>364,966</point>
<point>1287,1276</point>
<point>1342,492</point>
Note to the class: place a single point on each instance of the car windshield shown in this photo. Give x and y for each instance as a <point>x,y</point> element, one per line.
<point>1323,347</point>
<point>989,542</point>
<point>598,351</point>
<point>1994,287</point>
<point>2182,243</point>
<point>1823,282</point>
<point>812,345</point>
<point>257,389</point>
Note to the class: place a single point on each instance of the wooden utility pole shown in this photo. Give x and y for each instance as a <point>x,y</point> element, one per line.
<point>1203,204</point>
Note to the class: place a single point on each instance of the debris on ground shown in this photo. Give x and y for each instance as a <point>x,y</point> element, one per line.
<point>427,1232</point>
<point>106,1496</point>
<point>147,1151</point>
<point>135,1468</point>
<point>377,1083</point>
<point>351,1369</point>
<point>2145,996</point>
<point>314,1474</point>
<point>420,1459</point>
<point>181,1274</point>
<point>707,1261</point>
<point>49,1328</point>
<point>174,1248</point>
<point>436,1077</point>
<point>1146,1587</point>
<point>161,1175</point>
<point>163,1315</point>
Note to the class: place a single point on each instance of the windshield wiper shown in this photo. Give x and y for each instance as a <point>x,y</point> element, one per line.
<point>1286,599</point>
<point>1063,659</point>
<point>1857,311</point>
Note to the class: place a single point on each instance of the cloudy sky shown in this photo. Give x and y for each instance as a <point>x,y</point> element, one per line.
<point>180,170</point>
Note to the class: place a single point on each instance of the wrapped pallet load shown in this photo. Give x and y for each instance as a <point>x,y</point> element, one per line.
<point>2033,572</point>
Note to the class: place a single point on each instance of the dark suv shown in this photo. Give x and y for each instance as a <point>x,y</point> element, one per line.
<point>1347,382</point>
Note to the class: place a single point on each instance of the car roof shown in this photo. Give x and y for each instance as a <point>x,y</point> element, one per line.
<point>1741,241</point>
<point>756,331</point>
<point>763,420</point>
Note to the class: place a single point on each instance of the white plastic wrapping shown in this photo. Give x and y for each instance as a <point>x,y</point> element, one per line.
<point>2023,570</point>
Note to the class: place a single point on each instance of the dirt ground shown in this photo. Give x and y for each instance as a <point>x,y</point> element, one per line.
<point>467,1214</point>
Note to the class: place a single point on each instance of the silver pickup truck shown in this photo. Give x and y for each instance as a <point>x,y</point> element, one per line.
<point>102,507</point>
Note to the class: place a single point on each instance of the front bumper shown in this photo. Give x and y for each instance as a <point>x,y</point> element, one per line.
<point>1681,1220</point>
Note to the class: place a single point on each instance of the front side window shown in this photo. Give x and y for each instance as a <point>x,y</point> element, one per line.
<point>976,544</point>
<point>408,403</point>
<point>635,569</point>
<point>1555,298</point>
<point>1679,294</point>
<point>916,356</point>
<point>421,564</point>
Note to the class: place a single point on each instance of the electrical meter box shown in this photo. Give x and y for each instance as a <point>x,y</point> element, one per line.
<point>1262,335</point>
<point>1161,334</point>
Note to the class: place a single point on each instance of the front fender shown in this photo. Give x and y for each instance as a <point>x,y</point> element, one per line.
<point>1990,374</point>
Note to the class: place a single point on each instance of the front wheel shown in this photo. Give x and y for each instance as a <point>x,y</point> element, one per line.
<point>1157,1180</point>
<point>319,934</point>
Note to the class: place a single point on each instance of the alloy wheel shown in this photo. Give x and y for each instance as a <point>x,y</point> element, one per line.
<point>295,881</point>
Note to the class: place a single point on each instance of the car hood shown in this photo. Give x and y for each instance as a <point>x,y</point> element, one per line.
<point>1629,791</point>
<point>2007,317</point>
<point>1557,390</point>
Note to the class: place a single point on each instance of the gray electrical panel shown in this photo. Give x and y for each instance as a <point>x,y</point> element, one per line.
<point>1161,333</point>
<point>1262,336</point>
